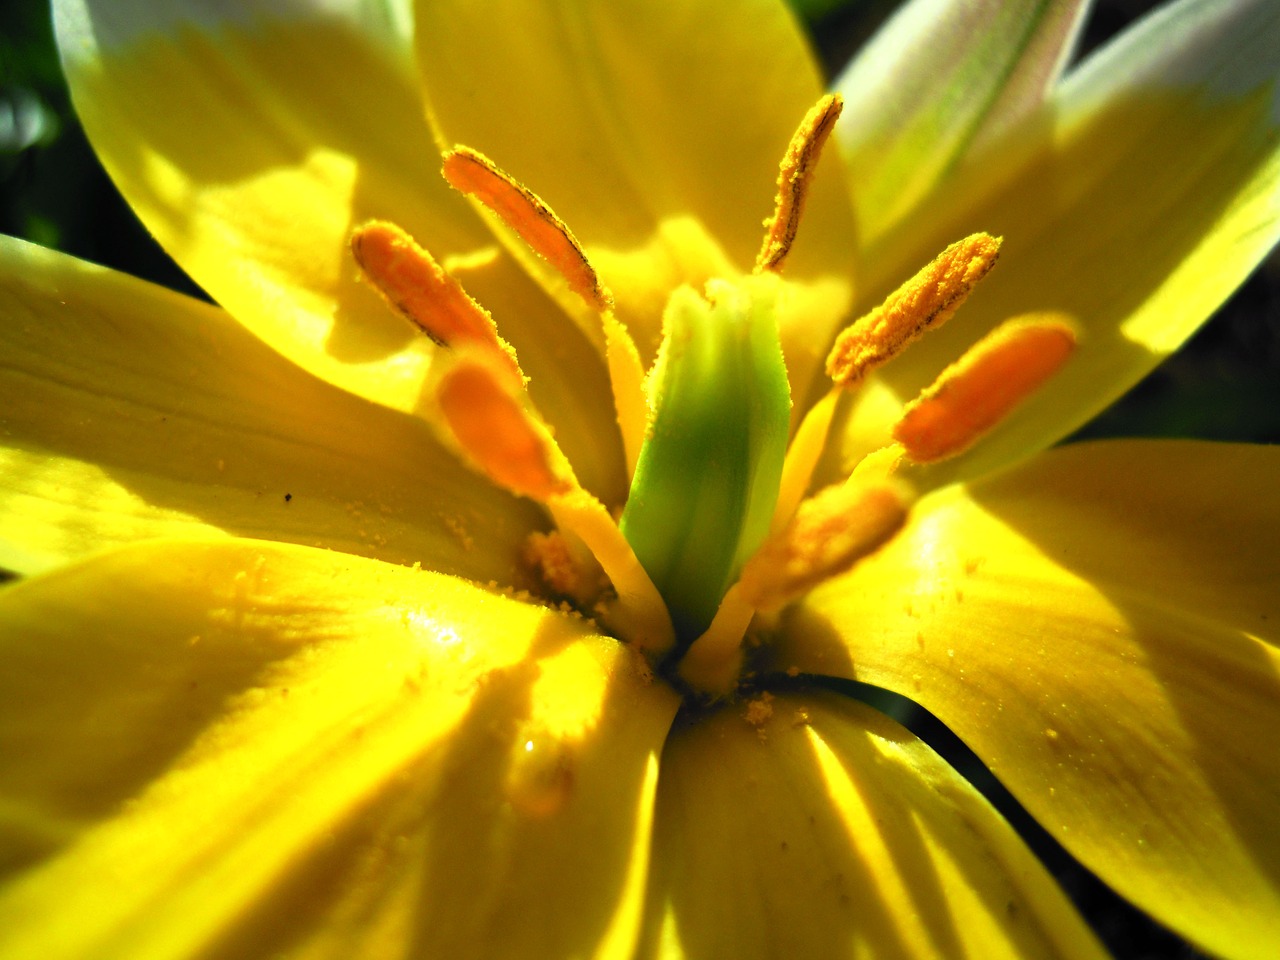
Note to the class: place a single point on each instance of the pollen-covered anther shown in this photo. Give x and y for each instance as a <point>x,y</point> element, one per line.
<point>497,433</point>
<point>794,175</point>
<point>410,279</point>
<point>566,572</point>
<point>487,418</point>
<point>472,173</point>
<point>981,388</point>
<point>830,532</point>
<point>927,300</point>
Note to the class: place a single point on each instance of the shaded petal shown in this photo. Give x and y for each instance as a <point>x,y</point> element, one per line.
<point>829,831</point>
<point>654,130</point>
<point>1101,628</point>
<point>251,137</point>
<point>243,747</point>
<point>130,411</point>
<point>1135,202</point>
<point>938,79</point>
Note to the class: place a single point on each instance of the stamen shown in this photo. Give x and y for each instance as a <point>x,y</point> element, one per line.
<point>794,175</point>
<point>981,388</point>
<point>714,662</point>
<point>567,571</point>
<point>409,278</point>
<point>518,454</point>
<point>640,614</point>
<point>832,530</point>
<point>802,456</point>
<point>471,172</point>
<point>499,434</point>
<point>927,300</point>
<point>877,466</point>
<point>626,377</point>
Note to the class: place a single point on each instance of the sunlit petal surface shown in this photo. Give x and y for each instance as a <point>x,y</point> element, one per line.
<point>132,412</point>
<point>1134,202</point>
<point>654,130</point>
<point>247,748</point>
<point>1100,627</point>
<point>251,137</point>
<point>823,829</point>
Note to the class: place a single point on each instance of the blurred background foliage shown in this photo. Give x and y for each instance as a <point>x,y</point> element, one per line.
<point>1223,385</point>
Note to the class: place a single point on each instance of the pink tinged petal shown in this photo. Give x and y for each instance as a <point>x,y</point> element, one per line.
<point>1101,628</point>
<point>132,412</point>
<point>1135,203</point>
<point>940,78</point>
<point>252,137</point>
<point>808,825</point>
<point>245,748</point>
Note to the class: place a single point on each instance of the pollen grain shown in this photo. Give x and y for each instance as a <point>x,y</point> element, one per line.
<point>927,300</point>
<point>794,175</point>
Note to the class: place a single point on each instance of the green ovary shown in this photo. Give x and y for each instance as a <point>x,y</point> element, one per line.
<point>706,481</point>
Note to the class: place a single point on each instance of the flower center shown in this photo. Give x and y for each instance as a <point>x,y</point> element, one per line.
<point>717,527</point>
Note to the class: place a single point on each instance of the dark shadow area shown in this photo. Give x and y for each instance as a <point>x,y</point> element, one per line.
<point>1126,931</point>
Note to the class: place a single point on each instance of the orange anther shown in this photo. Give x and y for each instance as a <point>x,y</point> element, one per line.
<point>794,174</point>
<point>472,173</point>
<point>498,434</point>
<point>412,282</point>
<point>981,388</point>
<point>830,532</point>
<point>927,300</point>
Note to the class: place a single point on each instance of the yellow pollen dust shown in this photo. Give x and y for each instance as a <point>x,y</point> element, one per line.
<point>981,388</point>
<point>927,300</point>
<point>794,174</point>
<point>409,279</point>
<point>561,568</point>
<point>471,172</point>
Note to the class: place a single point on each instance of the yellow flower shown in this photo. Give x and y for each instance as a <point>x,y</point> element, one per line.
<point>262,730</point>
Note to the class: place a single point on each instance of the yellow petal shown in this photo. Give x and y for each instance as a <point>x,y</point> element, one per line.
<point>653,130</point>
<point>132,412</point>
<point>823,829</point>
<point>939,78</point>
<point>253,749</point>
<point>251,142</point>
<point>1135,202</point>
<point>1101,628</point>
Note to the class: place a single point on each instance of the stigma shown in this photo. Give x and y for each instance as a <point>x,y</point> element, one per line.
<point>720,527</point>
